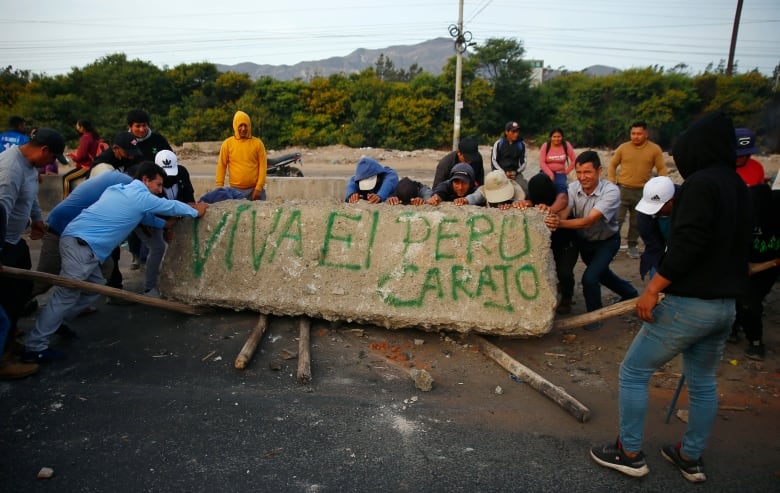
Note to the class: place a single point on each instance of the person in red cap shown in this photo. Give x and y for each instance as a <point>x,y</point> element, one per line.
<point>750,170</point>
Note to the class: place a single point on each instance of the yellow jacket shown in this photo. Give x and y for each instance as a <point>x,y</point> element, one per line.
<point>244,160</point>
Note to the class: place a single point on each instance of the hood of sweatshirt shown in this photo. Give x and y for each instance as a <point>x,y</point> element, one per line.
<point>239,118</point>
<point>708,143</point>
<point>366,168</point>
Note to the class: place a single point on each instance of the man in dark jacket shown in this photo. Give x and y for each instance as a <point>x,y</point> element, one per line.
<point>704,270</point>
<point>508,155</point>
<point>176,186</point>
<point>467,152</point>
<point>460,184</point>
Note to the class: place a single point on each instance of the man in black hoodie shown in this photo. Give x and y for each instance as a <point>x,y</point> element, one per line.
<point>703,271</point>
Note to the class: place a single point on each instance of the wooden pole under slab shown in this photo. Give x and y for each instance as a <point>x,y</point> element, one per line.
<point>553,392</point>
<point>620,308</point>
<point>304,354</point>
<point>101,289</point>
<point>250,346</point>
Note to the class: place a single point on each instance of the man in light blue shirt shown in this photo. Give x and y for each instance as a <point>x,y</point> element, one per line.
<point>593,207</point>
<point>89,239</point>
<point>86,194</point>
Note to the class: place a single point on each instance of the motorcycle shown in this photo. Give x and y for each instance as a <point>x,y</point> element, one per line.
<point>280,166</point>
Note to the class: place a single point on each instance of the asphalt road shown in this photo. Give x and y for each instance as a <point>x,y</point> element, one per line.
<point>149,401</point>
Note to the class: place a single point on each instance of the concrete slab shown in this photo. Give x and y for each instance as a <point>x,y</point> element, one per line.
<point>435,268</point>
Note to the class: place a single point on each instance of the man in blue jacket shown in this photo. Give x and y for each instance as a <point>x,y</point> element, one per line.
<point>371,181</point>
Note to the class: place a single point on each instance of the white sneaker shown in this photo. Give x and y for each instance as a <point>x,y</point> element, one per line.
<point>152,293</point>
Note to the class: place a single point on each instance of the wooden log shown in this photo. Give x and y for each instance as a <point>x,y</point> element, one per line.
<point>101,289</point>
<point>250,346</point>
<point>553,392</point>
<point>610,311</point>
<point>762,266</point>
<point>304,354</point>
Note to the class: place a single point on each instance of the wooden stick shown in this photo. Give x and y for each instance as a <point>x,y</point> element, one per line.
<point>762,266</point>
<point>101,289</point>
<point>553,392</point>
<point>251,343</point>
<point>304,355</point>
<point>610,311</point>
<point>628,306</point>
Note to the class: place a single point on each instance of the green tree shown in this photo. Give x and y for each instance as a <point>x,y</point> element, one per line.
<point>500,62</point>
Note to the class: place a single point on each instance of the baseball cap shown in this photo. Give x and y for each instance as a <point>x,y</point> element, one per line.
<point>497,187</point>
<point>129,143</point>
<point>512,126</point>
<point>657,192</point>
<point>470,150</point>
<point>167,160</point>
<point>746,141</point>
<point>367,183</point>
<point>462,172</point>
<point>53,140</point>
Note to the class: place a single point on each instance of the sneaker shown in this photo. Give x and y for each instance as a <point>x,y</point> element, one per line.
<point>152,293</point>
<point>612,456</point>
<point>135,264</point>
<point>755,351</point>
<point>692,470</point>
<point>11,370</point>
<point>66,332</point>
<point>564,306</point>
<point>46,356</point>
<point>633,252</point>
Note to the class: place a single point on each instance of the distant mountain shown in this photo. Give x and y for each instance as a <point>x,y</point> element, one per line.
<point>429,55</point>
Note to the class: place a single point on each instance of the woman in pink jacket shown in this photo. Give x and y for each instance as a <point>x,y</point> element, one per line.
<point>556,157</point>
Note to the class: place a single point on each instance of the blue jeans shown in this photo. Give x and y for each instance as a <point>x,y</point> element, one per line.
<point>597,256</point>
<point>695,328</point>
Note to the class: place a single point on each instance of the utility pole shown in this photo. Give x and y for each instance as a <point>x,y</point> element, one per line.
<point>462,42</point>
<point>730,65</point>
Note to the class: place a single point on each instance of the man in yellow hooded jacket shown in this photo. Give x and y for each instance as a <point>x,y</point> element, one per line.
<point>243,158</point>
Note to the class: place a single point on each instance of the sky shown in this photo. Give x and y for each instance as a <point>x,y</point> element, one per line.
<point>54,36</point>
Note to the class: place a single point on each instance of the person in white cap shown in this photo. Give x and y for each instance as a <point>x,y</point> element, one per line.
<point>371,181</point>
<point>176,186</point>
<point>654,221</point>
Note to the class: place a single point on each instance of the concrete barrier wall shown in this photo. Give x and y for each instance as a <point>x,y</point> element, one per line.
<point>435,268</point>
<point>50,190</point>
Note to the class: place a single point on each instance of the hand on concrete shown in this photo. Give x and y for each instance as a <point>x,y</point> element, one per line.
<point>374,198</point>
<point>201,208</point>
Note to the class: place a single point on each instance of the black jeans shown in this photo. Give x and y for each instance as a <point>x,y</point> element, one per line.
<point>750,306</point>
<point>15,293</point>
